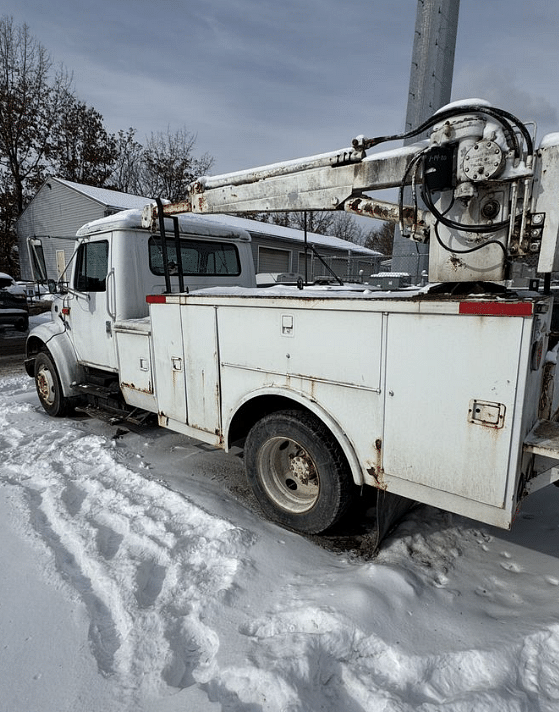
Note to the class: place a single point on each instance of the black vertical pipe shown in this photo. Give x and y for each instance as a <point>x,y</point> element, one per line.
<point>179,253</point>
<point>306,247</point>
<point>163,236</point>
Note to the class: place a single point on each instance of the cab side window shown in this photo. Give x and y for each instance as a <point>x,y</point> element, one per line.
<point>199,257</point>
<point>92,267</point>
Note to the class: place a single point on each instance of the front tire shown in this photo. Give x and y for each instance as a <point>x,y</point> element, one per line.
<point>49,388</point>
<point>23,325</point>
<point>297,471</point>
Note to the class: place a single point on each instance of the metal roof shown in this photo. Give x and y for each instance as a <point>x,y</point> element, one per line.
<point>108,198</point>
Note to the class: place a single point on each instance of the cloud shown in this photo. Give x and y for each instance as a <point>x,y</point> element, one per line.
<point>502,88</point>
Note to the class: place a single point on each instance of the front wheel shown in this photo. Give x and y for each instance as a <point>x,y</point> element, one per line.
<point>48,386</point>
<point>23,324</point>
<point>297,471</point>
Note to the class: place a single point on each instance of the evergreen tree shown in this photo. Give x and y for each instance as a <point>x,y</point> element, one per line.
<point>382,239</point>
<point>82,150</point>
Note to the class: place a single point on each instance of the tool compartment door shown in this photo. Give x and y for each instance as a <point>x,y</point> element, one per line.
<point>452,385</point>
<point>202,367</point>
<point>187,377</point>
<point>169,361</point>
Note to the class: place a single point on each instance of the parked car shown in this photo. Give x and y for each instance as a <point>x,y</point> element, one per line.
<point>8,284</point>
<point>13,304</point>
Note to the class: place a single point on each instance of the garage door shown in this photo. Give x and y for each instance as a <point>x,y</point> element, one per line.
<point>272,260</point>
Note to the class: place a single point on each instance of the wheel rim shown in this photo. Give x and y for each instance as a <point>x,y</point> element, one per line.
<point>288,474</point>
<point>45,385</point>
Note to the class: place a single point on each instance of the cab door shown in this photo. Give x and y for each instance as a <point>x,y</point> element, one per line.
<point>91,304</point>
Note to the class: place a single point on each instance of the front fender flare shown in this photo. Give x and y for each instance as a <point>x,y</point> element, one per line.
<point>54,338</point>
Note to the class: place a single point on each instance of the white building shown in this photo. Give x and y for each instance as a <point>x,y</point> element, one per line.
<point>61,207</point>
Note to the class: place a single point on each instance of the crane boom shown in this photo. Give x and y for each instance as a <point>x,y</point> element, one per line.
<point>489,196</point>
<point>323,182</point>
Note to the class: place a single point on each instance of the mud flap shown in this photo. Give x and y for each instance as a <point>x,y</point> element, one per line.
<point>366,532</point>
<point>390,510</point>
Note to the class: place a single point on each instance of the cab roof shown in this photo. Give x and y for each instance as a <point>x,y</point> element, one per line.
<point>188,225</point>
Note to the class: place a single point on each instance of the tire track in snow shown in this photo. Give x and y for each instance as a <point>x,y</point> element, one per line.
<point>322,636</point>
<point>147,562</point>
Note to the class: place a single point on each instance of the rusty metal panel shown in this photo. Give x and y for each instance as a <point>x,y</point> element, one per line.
<point>329,360</point>
<point>543,439</point>
<point>169,363</point>
<point>308,342</point>
<point>202,367</point>
<point>545,202</point>
<point>133,344</point>
<point>453,390</point>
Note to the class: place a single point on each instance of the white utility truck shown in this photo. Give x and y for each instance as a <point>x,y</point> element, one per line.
<point>442,395</point>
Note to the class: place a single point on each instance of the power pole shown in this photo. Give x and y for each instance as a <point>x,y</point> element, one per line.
<point>432,67</point>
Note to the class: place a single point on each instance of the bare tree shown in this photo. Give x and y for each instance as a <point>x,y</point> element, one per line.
<point>346,227</point>
<point>8,257</point>
<point>126,175</point>
<point>169,165</point>
<point>31,99</point>
<point>317,221</point>
<point>336,223</point>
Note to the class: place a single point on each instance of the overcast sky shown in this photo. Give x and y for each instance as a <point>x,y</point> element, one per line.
<point>265,80</point>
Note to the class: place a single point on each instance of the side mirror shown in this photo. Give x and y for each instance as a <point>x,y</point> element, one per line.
<point>51,285</point>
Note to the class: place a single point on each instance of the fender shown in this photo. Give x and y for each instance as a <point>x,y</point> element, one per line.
<point>53,336</point>
<point>302,399</point>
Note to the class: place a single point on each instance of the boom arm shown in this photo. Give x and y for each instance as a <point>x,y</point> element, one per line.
<point>324,182</point>
<point>490,198</point>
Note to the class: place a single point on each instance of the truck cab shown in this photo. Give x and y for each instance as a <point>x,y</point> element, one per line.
<point>117,263</point>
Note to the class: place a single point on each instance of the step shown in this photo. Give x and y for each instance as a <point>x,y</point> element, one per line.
<point>98,390</point>
<point>543,439</point>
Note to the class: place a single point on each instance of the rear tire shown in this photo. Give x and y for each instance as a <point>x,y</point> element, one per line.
<point>49,388</point>
<point>298,472</point>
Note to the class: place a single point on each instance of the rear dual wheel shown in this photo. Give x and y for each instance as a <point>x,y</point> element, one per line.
<point>298,471</point>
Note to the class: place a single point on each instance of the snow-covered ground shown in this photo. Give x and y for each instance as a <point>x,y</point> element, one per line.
<point>136,575</point>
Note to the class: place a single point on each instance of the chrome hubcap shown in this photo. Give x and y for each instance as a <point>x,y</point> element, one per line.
<point>45,385</point>
<point>288,474</point>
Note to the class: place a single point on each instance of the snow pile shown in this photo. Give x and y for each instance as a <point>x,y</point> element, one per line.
<point>188,600</point>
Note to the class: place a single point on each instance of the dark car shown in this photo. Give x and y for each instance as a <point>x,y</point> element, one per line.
<point>13,310</point>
